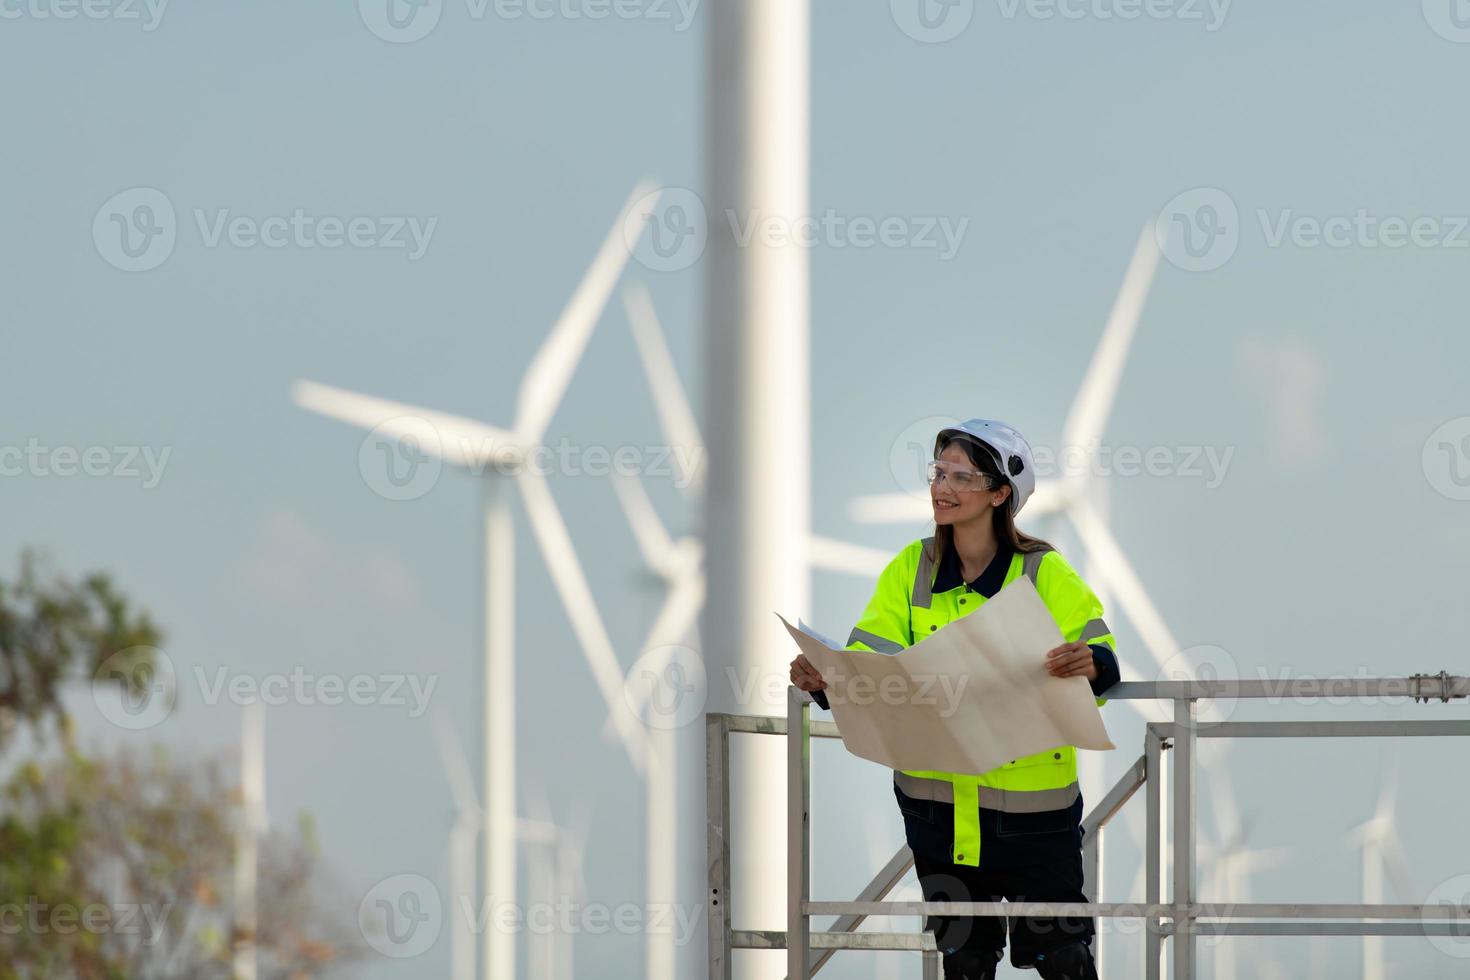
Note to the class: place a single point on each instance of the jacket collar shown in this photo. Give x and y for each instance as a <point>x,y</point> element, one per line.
<point>987,583</point>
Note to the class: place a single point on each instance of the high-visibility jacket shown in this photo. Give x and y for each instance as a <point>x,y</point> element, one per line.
<point>904,609</point>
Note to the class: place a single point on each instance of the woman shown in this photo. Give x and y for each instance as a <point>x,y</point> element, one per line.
<point>1013,833</point>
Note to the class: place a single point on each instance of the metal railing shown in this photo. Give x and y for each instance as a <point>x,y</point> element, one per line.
<point>1179,920</point>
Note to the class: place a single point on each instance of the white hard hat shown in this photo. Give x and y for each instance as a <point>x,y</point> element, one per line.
<point>1011,451</point>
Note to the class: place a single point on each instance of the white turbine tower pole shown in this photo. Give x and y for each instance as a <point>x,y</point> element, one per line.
<point>757,502</point>
<point>680,564</point>
<point>467,818</point>
<point>487,450</point>
<point>252,823</point>
<point>1382,853</point>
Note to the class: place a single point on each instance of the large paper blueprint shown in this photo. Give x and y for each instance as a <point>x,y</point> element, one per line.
<point>965,699</point>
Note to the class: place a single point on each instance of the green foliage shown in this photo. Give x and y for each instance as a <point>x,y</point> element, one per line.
<point>53,630</point>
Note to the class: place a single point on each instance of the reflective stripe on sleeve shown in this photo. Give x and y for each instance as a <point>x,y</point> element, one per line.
<point>874,641</point>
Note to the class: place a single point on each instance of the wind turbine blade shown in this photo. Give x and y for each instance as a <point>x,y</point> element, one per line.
<point>890,508</point>
<point>842,556</point>
<point>1232,829</point>
<point>452,438</point>
<point>654,543</point>
<point>581,608</point>
<point>1088,417</point>
<point>675,416</point>
<point>551,369</point>
<point>676,617</point>
<point>674,624</point>
<point>1388,789</point>
<point>1132,596</point>
<point>456,767</point>
<point>1397,866</point>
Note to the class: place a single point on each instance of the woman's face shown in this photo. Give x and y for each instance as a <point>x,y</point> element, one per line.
<point>953,506</point>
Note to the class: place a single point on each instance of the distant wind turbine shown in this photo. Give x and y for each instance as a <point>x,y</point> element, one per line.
<point>486,450</point>
<point>1382,854</point>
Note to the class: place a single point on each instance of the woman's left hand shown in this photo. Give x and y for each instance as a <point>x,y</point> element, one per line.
<point>1072,660</point>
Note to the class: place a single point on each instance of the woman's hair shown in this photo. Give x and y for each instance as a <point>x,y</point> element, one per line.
<point>1002,517</point>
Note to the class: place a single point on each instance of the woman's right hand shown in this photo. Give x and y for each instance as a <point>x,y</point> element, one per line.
<point>805,676</point>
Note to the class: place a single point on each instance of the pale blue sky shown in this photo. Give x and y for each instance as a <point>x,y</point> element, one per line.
<point>1326,548</point>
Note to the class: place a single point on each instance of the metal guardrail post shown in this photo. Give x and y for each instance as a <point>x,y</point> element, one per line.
<point>1153,940</point>
<point>931,964</point>
<point>798,834</point>
<point>717,841</point>
<point>1184,896</point>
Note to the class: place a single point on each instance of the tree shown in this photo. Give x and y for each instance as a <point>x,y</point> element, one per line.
<point>53,630</point>
<point>121,870</point>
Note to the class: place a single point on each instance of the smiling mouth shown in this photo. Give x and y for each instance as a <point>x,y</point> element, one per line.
<point>943,504</point>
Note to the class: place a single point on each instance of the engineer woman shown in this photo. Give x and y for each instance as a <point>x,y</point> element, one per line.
<point>1013,833</point>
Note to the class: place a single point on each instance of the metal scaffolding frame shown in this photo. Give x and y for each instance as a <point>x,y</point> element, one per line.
<point>1179,920</point>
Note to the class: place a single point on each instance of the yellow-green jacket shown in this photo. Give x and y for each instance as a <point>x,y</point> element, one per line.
<point>1028,810</point>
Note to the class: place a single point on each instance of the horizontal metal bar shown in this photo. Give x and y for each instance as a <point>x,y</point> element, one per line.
<point>772,939</point>
<point>1319,729</point>
<point>1457,929</point>
<point>1292,688</point>
<point>1127,910</point>
<point>771,725</point>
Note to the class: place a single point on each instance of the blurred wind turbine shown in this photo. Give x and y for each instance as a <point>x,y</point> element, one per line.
<point>679,563</point>
<point>251,824</point>
<point>486,450</point>
<point>1231,863</point>
<point>460,847</point>
<point>1382,853</point>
